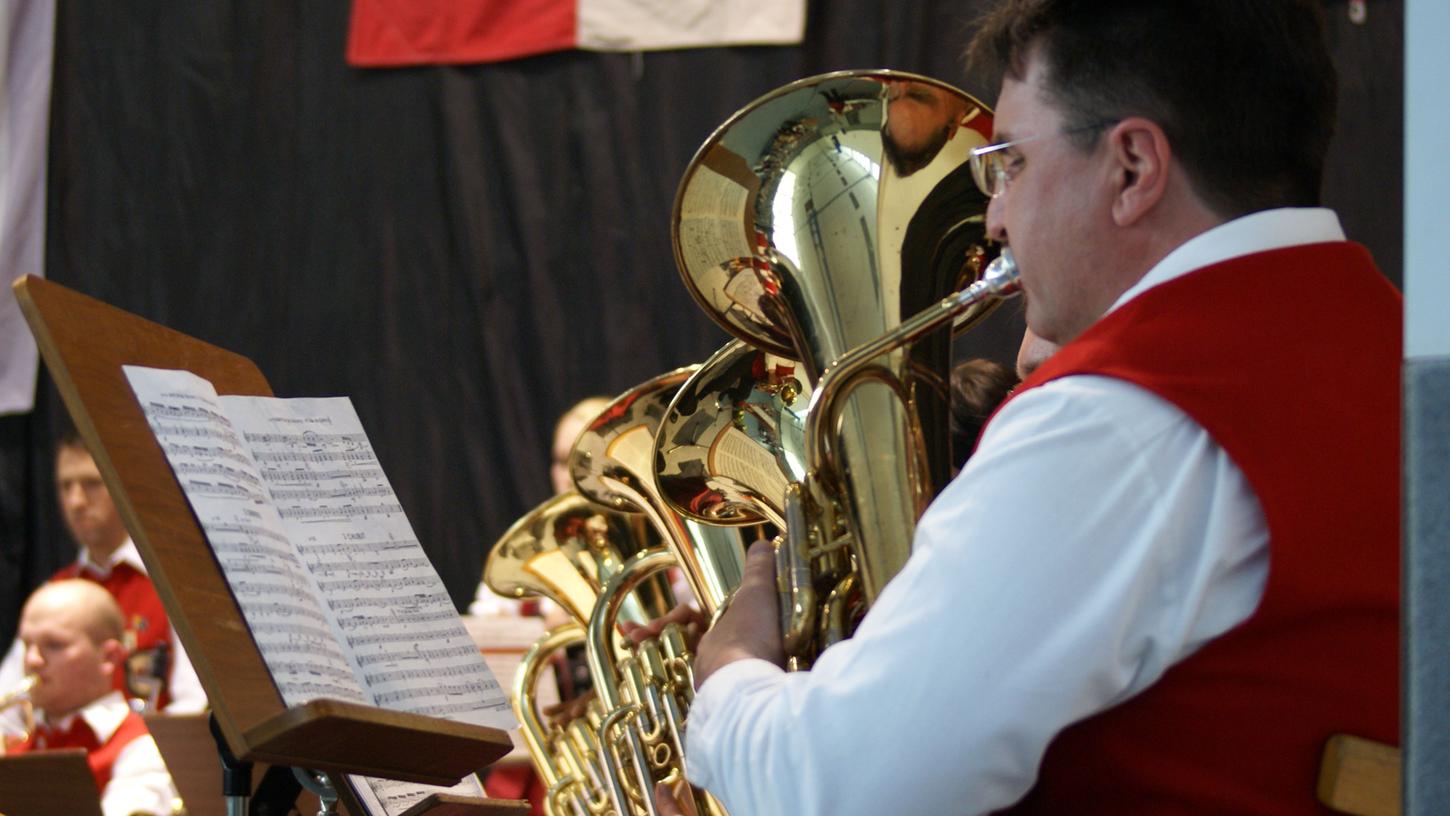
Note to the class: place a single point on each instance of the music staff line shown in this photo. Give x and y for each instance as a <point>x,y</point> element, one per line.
<point>348,624</point>
<point>417,674</point>
<point>366,660</point>
<point>330,547</point>
<point>312,438</point>
<point>445,690</point>
<point>346,511</point>
<point>397,637</point>
<point>181,411</point>
<point>316,457</point>
<point>315,494</point>
<point>393,565</point>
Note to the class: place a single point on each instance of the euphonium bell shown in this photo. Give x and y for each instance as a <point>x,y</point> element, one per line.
<point>734,438</point>
<point>613,463</point>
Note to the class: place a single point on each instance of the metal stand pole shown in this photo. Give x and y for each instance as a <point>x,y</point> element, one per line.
<point>236,775</point>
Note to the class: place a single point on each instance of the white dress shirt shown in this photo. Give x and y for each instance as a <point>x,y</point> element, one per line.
<point>139,781</point>
<point>1096,537</point>
<point>187,695</point>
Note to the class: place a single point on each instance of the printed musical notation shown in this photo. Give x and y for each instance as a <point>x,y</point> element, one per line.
<point>335,587</point>
<point>315,546</point>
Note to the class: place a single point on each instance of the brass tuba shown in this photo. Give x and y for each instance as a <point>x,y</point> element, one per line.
<point>813,223</point>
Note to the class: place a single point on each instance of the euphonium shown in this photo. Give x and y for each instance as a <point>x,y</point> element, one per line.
<point>812,223</point>
<point>631,737</point>
<point>645,695</point>
<point>565,550</point>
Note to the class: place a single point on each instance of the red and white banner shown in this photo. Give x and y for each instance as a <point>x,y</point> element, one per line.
<point>429,32</point>
<point>27,38</point>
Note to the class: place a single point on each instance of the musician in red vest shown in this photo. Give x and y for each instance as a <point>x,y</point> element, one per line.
<point>108,557</point>
<point>71,631</point>
<point>1170,570</point>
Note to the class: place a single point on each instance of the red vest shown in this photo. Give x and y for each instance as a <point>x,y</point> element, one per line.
<point>145,617</point>
<point>1290,359</point>
<point>101,757</point>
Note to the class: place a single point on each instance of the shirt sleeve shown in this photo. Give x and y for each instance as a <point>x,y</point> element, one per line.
<point>12,671</point>
<point>1097,536</point>
<point>139,782</point>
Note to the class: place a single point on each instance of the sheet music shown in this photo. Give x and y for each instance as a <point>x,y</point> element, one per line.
<point>346,603</point>
<point>277,595</point>
<point>392,612</point>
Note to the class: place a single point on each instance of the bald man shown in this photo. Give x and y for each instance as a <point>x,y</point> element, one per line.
<point>71,631</point>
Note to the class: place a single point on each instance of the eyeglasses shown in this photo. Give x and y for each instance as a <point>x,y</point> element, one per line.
<point>991,163</point>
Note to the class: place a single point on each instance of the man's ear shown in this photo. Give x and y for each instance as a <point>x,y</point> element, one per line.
<point>113,655</point>
<point>1141,161</point>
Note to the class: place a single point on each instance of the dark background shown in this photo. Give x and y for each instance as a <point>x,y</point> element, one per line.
<point>465,251</point>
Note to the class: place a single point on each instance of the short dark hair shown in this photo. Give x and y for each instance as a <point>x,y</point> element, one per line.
<point>69,437</point>
<point>1244,89</point>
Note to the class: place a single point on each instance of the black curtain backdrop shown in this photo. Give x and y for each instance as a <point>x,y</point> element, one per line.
<point>465,251</point>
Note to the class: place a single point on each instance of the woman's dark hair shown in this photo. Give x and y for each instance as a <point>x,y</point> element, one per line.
<point>978,387</point>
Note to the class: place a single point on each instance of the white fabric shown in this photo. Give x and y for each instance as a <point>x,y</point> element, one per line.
<point>26,41</point>
<point>645,25</point>
<point>187,695</point>
<point>139,782</point>
<point>1097,536</point>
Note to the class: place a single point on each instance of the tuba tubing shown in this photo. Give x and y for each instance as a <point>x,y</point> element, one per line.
<point>999,281</point>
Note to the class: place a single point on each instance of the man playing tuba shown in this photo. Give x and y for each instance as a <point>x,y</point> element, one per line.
<point>1136,596</point>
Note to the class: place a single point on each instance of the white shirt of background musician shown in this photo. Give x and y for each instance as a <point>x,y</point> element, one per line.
<point>139,782</point>
<point>1096,537</point>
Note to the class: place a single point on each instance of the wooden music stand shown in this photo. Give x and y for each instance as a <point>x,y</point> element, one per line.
<point>48,782</point>
<point>84,343</point>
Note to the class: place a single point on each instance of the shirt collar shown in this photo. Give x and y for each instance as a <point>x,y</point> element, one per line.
<point>1245,235</point>
<point>103,716</point>
<point>124,554</point>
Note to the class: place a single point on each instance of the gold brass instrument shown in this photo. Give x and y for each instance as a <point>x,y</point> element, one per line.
<point>812,223</point>
<point>566,550</point>
<point>19,696</point>
<point>645,694</point>
<point>734,438</point>
<point>601,553</point>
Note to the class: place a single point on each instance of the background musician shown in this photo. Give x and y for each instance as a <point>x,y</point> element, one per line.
<point>71,631</point>
<point>1091,620</point>
<point>108,557</point>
